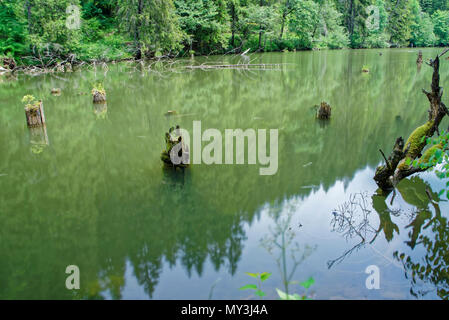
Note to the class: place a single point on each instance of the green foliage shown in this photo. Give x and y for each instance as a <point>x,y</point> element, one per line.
<point>12,30</point>
<point>98,87</point>
<point>112,30</point>
<point>440,21</point>
<point>377,36</point>
<point>436,157</point>
<point>152,24</point>
<point>422,34</point>
<point>204,22</point>
<point>333,34</point>
<point>304,22</point>
<point>399,22</point>
<point>261,277</point>
<point>30,102</point>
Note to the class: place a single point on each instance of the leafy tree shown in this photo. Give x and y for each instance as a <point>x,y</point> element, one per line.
<point>204,22</point>
<point>377,36</point>
<point>354,17</point>
<point>153,25</point>
<point>286,8</point>
<point>400,22</point>
<point>333,34</point>
<point>304,22</point>
<point>440,21</point>
<point>13,33</point>
<point>422,34</point>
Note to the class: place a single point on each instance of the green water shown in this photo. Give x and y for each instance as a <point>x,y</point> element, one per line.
<point>96,195</point>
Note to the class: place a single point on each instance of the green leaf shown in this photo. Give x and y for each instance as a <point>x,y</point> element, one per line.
<point>306,284</point>
<point>259,293</point>
<point>264,276</point>
<point>249,286</point>
<point>254,275</point>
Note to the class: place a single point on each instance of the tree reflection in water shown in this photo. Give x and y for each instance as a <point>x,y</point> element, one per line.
<point>428,230</point>
<point>280,242</point>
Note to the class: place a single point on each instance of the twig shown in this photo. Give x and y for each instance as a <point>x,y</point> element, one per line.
<point>383,155</point>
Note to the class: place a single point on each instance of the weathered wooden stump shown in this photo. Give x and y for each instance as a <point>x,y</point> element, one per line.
<point>35,114</point>
<point>324,112</point>
<point>175,143</point>
<point>99,94</point>
<point>419,59</point>
<point>56,91</point>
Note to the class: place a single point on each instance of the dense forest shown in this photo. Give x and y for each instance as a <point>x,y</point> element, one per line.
<point>34,30</point>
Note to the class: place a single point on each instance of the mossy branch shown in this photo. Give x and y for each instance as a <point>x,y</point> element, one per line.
<point>400,163</point>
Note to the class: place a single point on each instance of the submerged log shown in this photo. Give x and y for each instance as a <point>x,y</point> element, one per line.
<point>399,164</point>
<point>176,153</point>
<point>35,115</point>
<point>324,112</point>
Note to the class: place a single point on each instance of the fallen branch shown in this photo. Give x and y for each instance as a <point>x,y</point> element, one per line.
<point>235,66</point>
<point>399,164</point>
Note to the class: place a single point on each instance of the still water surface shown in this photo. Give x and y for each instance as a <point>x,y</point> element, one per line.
<point>97,197</point>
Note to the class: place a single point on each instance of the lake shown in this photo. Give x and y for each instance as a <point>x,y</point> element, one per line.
<point>91,190</point>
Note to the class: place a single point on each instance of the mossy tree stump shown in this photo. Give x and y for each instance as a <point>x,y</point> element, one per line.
<point>35,115</point>
<point>99,94</point>
<point>175,146</point>
<point>324,111</point>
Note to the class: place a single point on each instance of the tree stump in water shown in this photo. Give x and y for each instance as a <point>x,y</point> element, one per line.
<point>419,59</point>
<point>176,153</point>
<point>56,91</point>
<point>324,112</point>
<point>35,115</point>
<point>98,95</point>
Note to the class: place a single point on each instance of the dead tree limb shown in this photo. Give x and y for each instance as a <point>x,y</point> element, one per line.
<point>399,163</point>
